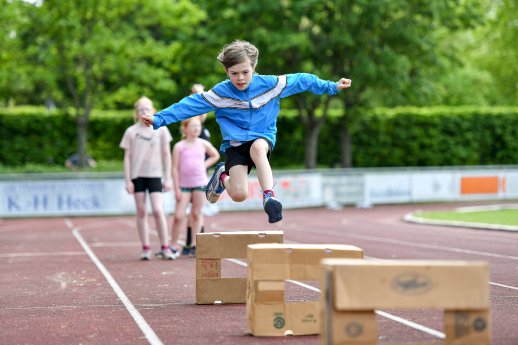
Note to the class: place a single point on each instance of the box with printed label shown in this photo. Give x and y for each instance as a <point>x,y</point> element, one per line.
<point>352,290</point>
<point>211,287</point>
<point>270,265</point>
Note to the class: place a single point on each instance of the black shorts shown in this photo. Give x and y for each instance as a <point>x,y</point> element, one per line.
<point>151,184</point>
<point>240,155</point>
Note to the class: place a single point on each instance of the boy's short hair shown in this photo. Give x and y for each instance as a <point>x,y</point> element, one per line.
<point>236,52</point>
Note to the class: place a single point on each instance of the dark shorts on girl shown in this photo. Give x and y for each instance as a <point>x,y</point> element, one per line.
<point>192,189</point>
<point>151,184</point>
<point>240,155</point>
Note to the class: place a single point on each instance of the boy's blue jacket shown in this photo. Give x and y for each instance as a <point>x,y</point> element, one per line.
<point>249,114</point>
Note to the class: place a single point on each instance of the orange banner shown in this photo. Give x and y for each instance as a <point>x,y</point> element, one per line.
<point>481,185</point>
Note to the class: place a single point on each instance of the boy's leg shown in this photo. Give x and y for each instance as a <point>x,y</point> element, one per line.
<point>215,187</point>
<point>236,183</point>
<point>259,155</point>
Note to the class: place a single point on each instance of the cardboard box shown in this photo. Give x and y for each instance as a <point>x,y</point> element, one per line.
<point>463,327</point>
<point>210,249</point>
<point>269,266</point>
<point>353,289</point>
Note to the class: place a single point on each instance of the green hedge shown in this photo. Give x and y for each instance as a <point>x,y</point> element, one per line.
<point>439,136</point>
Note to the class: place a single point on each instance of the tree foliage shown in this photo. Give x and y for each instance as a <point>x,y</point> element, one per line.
<point>106,53</point>
<point>96,53</point>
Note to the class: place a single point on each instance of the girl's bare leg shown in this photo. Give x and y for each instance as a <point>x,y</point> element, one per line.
<point>160,220</point>
<point>179,218</point>
<point>198,199</point>
<point>142,225</point>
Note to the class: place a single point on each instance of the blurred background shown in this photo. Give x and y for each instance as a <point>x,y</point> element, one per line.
<point>435,83</point>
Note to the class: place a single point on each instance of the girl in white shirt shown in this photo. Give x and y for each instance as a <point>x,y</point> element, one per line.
<point>146,155</point>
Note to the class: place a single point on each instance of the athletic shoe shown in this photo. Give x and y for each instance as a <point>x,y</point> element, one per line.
<point>215,187</point>
<point>272,207</point>
<point>175,252</point>
<point>186,250</point>
<point>167,254</point>
<point>193,251</point>
<point>146,255</point>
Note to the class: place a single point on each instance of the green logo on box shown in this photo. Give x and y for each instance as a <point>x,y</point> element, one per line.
<point>278,321</point>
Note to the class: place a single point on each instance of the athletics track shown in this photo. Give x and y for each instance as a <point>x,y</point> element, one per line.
<point>79,281</point>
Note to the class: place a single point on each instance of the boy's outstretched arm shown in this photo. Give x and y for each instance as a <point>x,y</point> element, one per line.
<point>301,82</point>
<point>189,106</point>
<point>344,84</point>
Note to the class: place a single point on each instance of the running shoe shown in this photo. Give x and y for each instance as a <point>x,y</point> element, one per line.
<point>272,207</point>
<point>186,250</point>
<point>167,254</point>
<point>215,187</point>
<point>145,255</point>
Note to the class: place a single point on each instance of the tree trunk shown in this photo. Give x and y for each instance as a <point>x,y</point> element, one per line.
<point>82,140</point>
<point>312,126</point>
<point>311,143</point>
<point>345,135</point>
<point>345,144</point>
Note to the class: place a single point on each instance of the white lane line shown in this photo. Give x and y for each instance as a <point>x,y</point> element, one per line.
<point>139,320</point>
<point>378,259</point>
<point>504,286</point>
<point>238,262</point>
<point>67,307</point>
<point>430,246</point>
<point>36,254</point>
<point>419,220</point>
<point>395,318</point>
<point>304,285</point>
<point>115,244</point>
<point>412,324</point>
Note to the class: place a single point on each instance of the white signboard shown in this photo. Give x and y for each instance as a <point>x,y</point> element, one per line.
<point>434,186</point>
<point>294,191</point>
<point>64,197</point>
<point>386,188</point>
<point>82,197</point>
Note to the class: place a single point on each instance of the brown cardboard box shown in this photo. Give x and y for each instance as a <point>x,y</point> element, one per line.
<point>210,249</point>
<point>269,265</point>
<point>353,289</point>
<point>471,327</point>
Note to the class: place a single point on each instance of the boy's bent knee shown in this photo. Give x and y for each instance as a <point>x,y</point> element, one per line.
<point>239,196</point>
<point>259,147</point>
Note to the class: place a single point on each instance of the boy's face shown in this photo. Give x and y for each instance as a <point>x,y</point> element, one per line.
<point>241,74</point>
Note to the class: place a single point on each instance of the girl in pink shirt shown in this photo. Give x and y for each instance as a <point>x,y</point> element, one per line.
<point>190,177</point>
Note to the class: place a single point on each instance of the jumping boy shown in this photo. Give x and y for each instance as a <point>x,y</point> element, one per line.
<point>246,106</point>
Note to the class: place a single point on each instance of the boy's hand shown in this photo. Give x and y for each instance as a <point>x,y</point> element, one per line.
<point>148,120</point>
<point>344,84</point>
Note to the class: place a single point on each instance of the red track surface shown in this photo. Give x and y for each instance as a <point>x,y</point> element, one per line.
<point>52,292</point>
